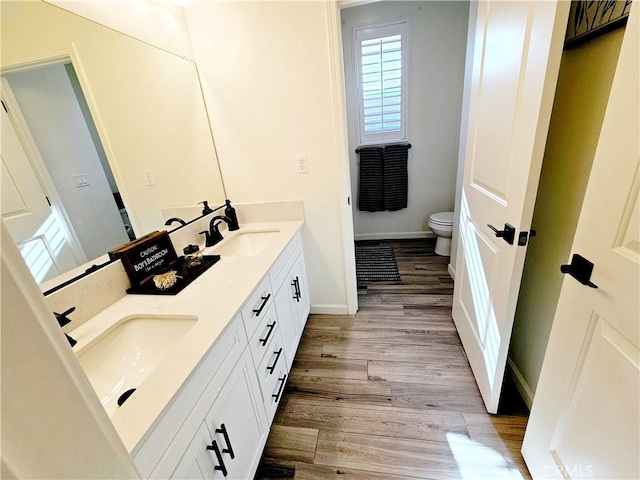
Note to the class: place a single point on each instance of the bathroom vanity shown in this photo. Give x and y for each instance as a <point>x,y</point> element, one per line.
<point>208,365</point>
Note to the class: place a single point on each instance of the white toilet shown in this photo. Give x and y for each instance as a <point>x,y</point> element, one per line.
<point>441,224</point>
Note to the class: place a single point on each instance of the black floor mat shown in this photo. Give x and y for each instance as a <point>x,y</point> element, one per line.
<point>376,263</point>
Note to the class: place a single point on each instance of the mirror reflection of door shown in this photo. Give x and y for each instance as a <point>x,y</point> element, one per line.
<point>48,108</point>
<point>39,232</point>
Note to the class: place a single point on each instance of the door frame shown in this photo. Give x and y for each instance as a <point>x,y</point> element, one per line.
<point>40,169</point>
<point>334,27</point>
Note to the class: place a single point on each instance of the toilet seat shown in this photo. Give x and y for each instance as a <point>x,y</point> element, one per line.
<point>442,218</point>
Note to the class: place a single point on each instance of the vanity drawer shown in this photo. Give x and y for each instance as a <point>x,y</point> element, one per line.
<point>256,306</point>
<point>272,375</point>
<point>268,329</point>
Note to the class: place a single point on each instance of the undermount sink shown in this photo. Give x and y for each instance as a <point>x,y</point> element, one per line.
<point>246,244</point>
<point>122,357</point>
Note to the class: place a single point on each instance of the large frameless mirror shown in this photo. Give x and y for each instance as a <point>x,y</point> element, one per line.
<point>104,137</point>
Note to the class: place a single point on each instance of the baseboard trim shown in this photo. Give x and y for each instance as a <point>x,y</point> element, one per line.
<point>452,272</point>
<point>393,235</point>
<point>329,309</point>
<point>520,383</point>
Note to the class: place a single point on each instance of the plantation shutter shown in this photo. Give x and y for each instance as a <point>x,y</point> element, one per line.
<point>382,66</point>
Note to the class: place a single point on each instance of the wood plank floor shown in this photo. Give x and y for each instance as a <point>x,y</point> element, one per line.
<point>388,393</point>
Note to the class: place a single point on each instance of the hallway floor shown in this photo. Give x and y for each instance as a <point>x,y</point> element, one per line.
<point>388,394</point>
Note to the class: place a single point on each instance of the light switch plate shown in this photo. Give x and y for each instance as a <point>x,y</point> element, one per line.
<point>80,180</point>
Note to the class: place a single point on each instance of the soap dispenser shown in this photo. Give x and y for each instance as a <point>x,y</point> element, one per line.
<point>230,213</point>
<point>206,210</point>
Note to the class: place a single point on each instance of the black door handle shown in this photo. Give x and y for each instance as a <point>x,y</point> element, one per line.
<point>229,449</point>
<point>296,285</point>
<point>580,269</point>
<point>221,466</point>
<point>508,234</point>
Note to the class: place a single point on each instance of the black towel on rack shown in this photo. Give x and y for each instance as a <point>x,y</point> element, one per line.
<point>371,191</point>
<point>396,178</point>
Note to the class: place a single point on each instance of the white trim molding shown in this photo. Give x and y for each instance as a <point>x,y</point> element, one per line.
<point>393,235</point>
<point>329,309</point>
<point>451,270</point>
<point>521,385</point>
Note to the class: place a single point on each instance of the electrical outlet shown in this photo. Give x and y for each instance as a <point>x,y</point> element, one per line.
<point>302,164</point>
<point>149,176</point>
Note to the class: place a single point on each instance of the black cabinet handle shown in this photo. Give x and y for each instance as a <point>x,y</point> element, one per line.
<point>258,310</point>
<point>296,286</point>
<point>580,269</point>
<point>265,339</point>
<point>221,466</point>
<point>276,396</point>
<point>508,234</point>
<point>229,449</point>
<point>275,362</point>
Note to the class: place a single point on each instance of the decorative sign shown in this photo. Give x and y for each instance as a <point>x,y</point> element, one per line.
<point>146,256</point>
<point>591,19</point>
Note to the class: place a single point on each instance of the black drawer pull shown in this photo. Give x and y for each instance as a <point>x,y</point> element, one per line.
<point>275,362</point>
<point>222,467</point>
<point>258,311</point>
<point>229,449</point>
<point>265,339</point>
<point>276,396</point>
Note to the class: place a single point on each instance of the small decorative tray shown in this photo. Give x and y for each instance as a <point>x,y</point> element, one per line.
<point>186,276</point>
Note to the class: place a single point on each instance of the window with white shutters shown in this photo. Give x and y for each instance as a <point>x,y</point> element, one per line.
<point>382,60</point>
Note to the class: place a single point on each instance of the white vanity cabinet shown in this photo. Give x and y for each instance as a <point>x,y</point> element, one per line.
<point>229,441</point>
<point>217,425</point>
<point>292,295</point>
<point>159,453</point>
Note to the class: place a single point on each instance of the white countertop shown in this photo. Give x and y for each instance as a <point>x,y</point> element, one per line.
<point>215,298</point>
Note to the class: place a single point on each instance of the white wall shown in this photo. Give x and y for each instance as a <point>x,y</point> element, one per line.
<point>584,82</point>
<point>158,23</point>
<point>438,47</point>
<point>271,93</point>
<point>49,106</point>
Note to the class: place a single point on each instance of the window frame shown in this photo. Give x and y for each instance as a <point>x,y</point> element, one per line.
<point>399,26</point>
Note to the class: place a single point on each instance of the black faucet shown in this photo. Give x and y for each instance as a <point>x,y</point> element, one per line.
<point>64,320</point>
<point>213,236</point>
<point>175,219</point>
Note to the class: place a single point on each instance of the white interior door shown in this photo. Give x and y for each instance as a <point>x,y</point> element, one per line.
<point>585,421</point>
<point>36,228</point>
<point>517,53</point>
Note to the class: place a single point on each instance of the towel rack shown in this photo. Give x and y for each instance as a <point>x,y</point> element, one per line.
<point>358,149</point>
